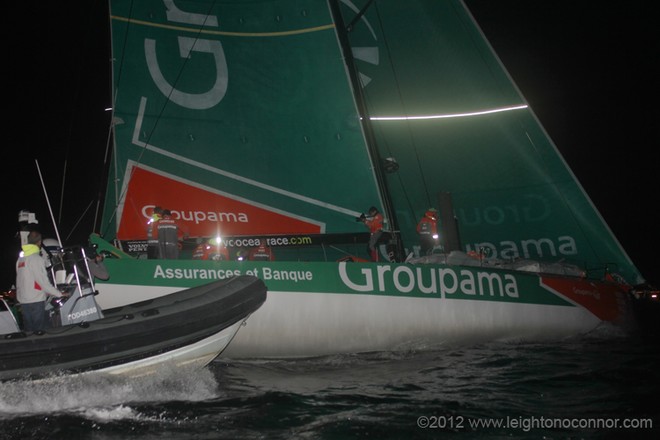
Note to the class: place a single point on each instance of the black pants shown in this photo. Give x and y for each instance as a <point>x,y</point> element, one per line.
<point>153,251</point>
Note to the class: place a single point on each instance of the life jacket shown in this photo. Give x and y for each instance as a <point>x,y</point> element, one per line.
<point>200,252</point>
<point>428,225</point>
<point>375,223</point>
<point>168,231</point>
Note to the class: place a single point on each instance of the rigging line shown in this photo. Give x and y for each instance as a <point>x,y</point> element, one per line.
<point>467,20</point>
<point>75,100</point>
<point>349,26</point>
<point>410,133</point>
<point>203,31</point>
<point>79,220</point>
<point>361,107</point>
<point>106,166</point>
<point>114,100</point>
<point>52,217</point>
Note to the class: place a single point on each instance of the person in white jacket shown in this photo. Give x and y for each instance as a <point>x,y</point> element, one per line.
<point>33,285</point>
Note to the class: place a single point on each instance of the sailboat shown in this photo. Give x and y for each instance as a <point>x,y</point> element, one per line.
<point>281,123</point>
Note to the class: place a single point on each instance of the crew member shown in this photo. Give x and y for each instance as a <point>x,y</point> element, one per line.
<point>33,285</point>
<point>263,252</point>
<point>374,221</point>
<point>201,250</point>
<point>427,228</point>
<point>153,251</point>
<point>95,263</point>
<point>169,235</point>
<point>213,249</point>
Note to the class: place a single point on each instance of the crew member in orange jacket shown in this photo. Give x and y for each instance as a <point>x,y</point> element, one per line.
<point>427,228</point>
<point>374,221</point>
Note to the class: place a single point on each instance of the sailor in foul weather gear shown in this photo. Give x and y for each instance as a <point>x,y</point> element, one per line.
<point>374,221</point>
<point>427,228</point>
<point>169,234</point>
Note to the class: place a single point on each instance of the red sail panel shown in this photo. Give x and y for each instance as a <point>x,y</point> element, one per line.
<point>200,212</point>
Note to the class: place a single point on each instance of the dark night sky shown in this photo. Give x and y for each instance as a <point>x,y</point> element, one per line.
<point>586,68</point>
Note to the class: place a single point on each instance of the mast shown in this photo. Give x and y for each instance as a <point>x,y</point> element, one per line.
<point>376,159</point>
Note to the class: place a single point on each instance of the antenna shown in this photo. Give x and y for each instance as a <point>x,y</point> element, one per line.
<point>48,203</point>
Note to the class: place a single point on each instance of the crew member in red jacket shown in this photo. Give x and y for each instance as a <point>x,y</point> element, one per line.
<point>213,249</point>
<point>374,221</point>
<point>263,252</point>
<point>427,228</point>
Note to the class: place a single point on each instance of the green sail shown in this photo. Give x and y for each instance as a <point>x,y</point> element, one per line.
<point>443,105</point>
<point>253,103</point>
<point>250,101</point>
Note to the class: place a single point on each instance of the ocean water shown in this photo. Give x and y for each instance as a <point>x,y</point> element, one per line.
<point>601,386</point>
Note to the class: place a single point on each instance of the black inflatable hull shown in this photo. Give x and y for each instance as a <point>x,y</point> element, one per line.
<point>151,330</point>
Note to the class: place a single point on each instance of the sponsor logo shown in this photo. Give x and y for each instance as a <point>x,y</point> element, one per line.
<point>286,275</point>
<point>179,273</point>
<point>384,279</point>
<point>529,209</point>
<point>198,217</point>
<point>542,247</point>
<point>594,293</point>
<point>430,280</point>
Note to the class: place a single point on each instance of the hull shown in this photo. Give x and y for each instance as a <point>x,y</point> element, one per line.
<point>191,326</point>
<point>195,355</point>
<point>358,323</point>
<point>327,308</point>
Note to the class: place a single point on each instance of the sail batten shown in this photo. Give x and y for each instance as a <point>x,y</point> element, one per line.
<point>449,115</point>
<point>206,31</point>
